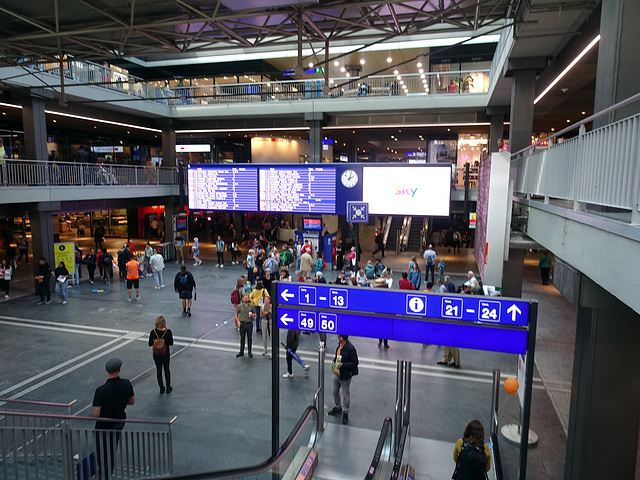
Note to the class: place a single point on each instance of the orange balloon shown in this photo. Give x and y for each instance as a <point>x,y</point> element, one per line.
<point>511,385</point>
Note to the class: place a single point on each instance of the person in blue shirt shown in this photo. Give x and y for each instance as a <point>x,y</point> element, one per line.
<point>415,276</point>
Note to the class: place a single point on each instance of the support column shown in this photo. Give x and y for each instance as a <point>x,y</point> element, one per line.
<point>35,128</point>
<point>353,150</point>
<point>168,146</point>
<point>618,66</point>
<point>315,121</point>
<point>41,238</point>
<point>522,96</point>
<point>496,132</point>
<point>605,396</point>
<point>512,272</point>
<point>169,212</point>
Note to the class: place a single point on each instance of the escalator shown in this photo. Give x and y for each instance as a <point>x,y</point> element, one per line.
<point>392,236</point>
<point>415,233</point>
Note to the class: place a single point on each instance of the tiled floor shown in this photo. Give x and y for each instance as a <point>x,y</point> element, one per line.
<point>223,403</point>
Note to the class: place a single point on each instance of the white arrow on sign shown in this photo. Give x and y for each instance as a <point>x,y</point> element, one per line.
<point>286,295</point>
<point>285,319</point>
<point>514,311</point>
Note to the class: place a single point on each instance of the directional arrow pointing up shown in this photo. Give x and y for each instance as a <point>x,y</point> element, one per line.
<point>286,295</point>
<point>514,311</point>
<point>285,318</point>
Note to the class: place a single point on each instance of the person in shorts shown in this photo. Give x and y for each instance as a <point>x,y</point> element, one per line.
<point>133,278</point>
<point>184,284</point>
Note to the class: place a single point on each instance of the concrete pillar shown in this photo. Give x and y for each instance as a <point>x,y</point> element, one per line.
<point>512,271</point>
<point>352,153</point>
<point>35,128</point>
<point>169,211</point>
<point>618,66</point>
<point>522,96</point>
<point>315,121</point>
<point>605,396</point>
<point>168,146</point>
<point>41,238</point>
<point>496,132</point>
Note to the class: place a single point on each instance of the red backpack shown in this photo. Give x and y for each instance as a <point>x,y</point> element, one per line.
<point>235,297</point>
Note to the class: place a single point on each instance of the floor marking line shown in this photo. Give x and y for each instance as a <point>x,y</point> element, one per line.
<point>58,367</point>
<point>22,321</point>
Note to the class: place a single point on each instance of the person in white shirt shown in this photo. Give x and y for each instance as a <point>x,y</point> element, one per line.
<point>430,258</point>
<point>157,266</point>
<point>472,282</point>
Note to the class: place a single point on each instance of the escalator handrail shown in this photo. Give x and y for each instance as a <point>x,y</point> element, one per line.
<point>383,447</point>
<point>399,462</point>
<point>235,473</point>
<point>495,458</point>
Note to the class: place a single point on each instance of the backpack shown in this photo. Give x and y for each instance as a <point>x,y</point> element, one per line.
<point>235,297</point>
<point>429,260</point>
<point>78,257</point>
<point>159,345</point>
<point>471,463</point>
<point>378,269</point>
<point>288,257</point>
<point>106,260</point>
<point>320,264</point>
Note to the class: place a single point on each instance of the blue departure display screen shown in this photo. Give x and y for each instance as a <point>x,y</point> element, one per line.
<point>485,323</point>
<point>223,188</point>
<point>298,189</point>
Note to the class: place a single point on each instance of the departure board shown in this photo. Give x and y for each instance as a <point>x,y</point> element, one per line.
<point>298,190</point>
<point>223,188</point>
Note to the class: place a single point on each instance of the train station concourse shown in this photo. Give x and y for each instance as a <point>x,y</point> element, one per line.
<point>433,208</point>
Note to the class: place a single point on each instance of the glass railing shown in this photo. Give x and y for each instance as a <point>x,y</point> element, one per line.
<point>451,83</point>
<point>290,457</point>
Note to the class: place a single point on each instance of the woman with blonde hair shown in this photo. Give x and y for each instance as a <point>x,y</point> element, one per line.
<point>161,338</point>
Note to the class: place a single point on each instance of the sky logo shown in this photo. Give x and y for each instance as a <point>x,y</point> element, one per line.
<point>406,191</point>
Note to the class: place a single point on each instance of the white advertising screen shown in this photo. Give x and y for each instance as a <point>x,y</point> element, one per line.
<point>423,191</point>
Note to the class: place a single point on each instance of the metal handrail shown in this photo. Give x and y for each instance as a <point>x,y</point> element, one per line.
<point>99,419</point>
<point>237,473</point>
<point>402,447</point>
<point>383,448</point>
<point>584,121</point>
<point>34,402</point>
<point>494,433</point>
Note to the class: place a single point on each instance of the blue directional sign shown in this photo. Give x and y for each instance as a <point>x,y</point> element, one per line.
<point>494,324</point>
<point>357,212</point>
<point>467,308</point>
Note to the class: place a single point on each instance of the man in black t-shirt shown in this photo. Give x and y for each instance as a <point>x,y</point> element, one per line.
<point>110,401</point>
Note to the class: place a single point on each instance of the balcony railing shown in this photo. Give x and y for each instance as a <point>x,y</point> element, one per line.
<point>44,173</point>
<point>454,82</point>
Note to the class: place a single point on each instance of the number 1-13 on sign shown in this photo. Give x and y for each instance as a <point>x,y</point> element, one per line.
<point>338,298</point>
<point>328,323</point>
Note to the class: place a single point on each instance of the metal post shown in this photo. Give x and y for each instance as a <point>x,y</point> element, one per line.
<point>397,427</point>
<point>322,351</point>
<point>528,388</point>
<point>467,179</point>
<point>275,369</point>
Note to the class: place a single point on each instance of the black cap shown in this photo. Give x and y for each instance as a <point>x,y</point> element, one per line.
<point>113,365</point>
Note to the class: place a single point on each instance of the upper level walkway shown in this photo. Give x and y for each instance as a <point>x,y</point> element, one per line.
<point>465,89</point>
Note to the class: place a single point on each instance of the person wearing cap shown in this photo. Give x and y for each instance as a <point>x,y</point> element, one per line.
<point>110,401</point>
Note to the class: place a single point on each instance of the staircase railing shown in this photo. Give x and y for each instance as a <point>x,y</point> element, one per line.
<point>68,447</point>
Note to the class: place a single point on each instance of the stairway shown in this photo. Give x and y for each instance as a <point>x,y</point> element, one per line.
<point>413,244</point>
<point>396,224</point>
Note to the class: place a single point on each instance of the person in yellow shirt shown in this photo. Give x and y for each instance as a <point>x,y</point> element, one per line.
<point>133,278</point>
<point>257,298</point>
<point>471,454</point>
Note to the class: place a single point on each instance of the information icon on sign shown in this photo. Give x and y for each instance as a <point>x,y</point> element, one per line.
<point>307,321</point>
<point>489,311</point>
<point>451,308</point>
<point>416,305</point>
<point>328,323</point>
<point>307,296</point>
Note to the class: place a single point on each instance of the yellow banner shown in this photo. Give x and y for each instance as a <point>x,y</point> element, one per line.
<point>65,252</point>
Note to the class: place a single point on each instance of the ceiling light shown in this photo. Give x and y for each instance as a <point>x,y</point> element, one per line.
<point>389,59</point>
<point>568,121</point>
<point>331,81</point>
<point>310,64</point>
<point>401,82</point>
<point>566,70</point>
<point>448,129</point>
<point>419,64</point>
<point>336,63</point>
<point>362,61</point>
<point>399,77</point>
<point>54,120</point>
<point>421,71</point>
<point>348,75</point>
<point>422,76</point>
<point>395,72</point>
<point>553,129</point>
<point>342,69</point>
<point>424,80</point>
<point>392,136</point>
<point>584,113</point>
